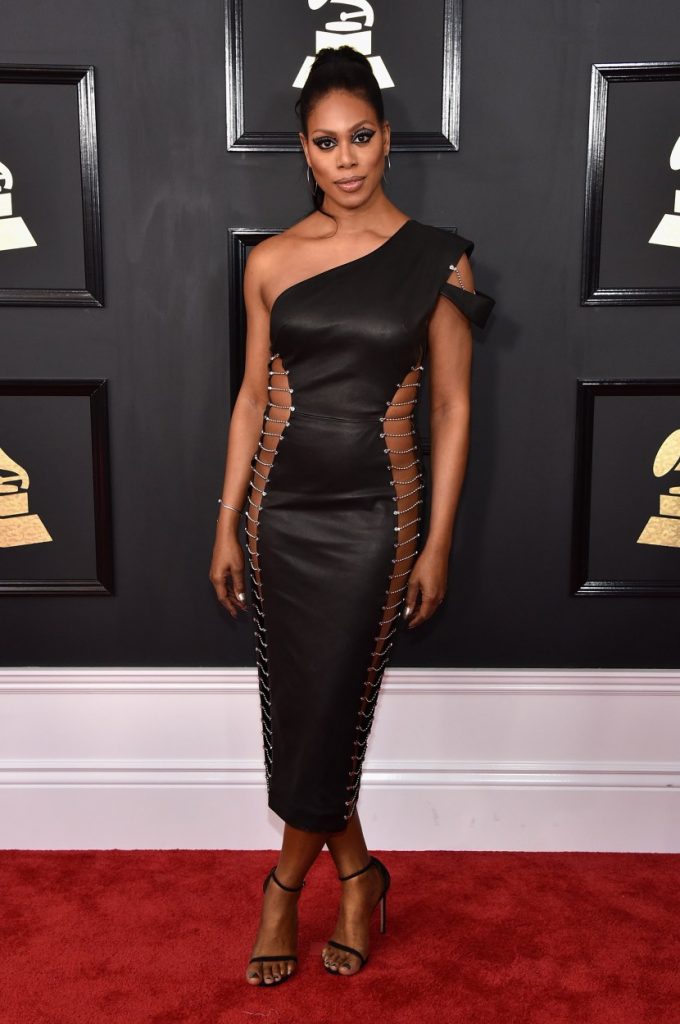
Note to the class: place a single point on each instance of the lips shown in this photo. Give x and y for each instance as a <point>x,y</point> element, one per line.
<point>350,184</point>
<point>347,181</point>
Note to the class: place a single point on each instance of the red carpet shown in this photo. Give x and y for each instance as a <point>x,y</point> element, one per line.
<point>162,937</point>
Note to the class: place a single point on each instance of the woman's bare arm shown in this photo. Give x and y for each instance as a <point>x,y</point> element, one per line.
<point>450,346</point>
<point>450,359</point>
<point>227,564</point>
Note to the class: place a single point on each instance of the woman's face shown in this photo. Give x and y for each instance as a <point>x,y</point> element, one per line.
<point>344,140</point>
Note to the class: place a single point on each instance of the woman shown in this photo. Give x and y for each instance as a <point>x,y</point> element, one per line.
<point>339,322</point>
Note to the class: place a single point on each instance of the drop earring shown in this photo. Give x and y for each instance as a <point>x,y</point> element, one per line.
<point>387,158</point>
<point>316,184</point>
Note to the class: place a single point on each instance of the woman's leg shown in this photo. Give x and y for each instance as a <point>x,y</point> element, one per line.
<point>358,899</point>
<point>278,923</point>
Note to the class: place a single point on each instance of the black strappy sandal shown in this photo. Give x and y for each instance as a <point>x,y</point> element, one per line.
<point>283,956</point>
<point>382,901</point>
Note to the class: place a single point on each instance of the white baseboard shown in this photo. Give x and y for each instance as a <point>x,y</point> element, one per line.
<point>457,759</point>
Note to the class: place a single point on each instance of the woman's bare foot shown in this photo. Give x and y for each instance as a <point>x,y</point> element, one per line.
<point>359,898</point>
<point>277,933</point>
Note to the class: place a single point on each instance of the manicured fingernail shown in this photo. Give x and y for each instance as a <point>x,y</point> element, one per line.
<point>241,597</point>
<point>407,611</point>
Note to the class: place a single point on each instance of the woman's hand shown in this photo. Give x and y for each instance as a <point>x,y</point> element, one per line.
<point>227,573</point>
<point>427,581</point>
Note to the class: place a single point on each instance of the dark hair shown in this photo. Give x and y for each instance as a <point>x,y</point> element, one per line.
<point>340,67</point>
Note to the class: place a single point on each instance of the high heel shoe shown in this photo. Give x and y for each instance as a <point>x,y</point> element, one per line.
<point>283,956</point>
<point>382,901</point>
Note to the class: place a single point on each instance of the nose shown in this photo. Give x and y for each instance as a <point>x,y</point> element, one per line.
<point>345,154</point>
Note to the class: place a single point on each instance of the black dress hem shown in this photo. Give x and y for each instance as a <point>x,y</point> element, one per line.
<point>306,822</point>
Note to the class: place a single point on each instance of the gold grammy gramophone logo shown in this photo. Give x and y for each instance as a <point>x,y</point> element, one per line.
<point>17,525</point>
<point>664,529</point>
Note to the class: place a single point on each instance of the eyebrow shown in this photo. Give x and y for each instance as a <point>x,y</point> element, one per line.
<point>329,131</point>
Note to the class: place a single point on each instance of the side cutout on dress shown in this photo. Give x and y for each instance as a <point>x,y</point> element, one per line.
<point>261,463</point>
<point>405,469</point>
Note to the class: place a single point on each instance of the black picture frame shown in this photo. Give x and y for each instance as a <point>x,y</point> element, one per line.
<point>605,77</point>
<point>239,243</point>
<point>621,513</point>
<point>95,391</point>
<point>240,137</point>
<point>81,79</point>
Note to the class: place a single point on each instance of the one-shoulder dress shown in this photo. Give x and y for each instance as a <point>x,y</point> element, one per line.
<point>334,508</point>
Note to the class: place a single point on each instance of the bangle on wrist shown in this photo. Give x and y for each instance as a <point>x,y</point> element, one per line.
<point>220,502</point>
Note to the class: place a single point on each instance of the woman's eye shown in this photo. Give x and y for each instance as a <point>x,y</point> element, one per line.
<point>362,137</point>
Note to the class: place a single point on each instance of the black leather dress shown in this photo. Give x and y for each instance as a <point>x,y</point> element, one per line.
<point>334,508</point>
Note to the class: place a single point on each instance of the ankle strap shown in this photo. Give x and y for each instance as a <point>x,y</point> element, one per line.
<point>343,878</point>
<point>288,888</point>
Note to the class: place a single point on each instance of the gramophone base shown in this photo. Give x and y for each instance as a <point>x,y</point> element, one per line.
<point>661,530</point>
<point>17,531</point>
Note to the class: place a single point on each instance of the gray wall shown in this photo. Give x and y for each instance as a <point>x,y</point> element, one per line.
<point>170,191</point>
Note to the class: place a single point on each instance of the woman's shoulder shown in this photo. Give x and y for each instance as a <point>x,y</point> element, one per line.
<point>279,247</point>
<point>280,242</point>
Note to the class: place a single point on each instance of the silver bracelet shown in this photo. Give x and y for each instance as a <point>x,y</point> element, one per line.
<point>220,502</point>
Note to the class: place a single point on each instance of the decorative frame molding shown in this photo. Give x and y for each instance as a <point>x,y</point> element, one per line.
<point>82,76</point>
<point>581,583</point>
<point>102,583</point>
<point>591,292</point>
<point>239,138</point>
<point>239,242</point>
